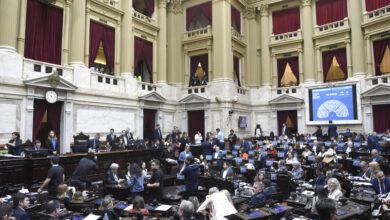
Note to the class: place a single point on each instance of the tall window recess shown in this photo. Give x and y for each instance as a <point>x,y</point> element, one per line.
<point>372,5</point>
<point>334,64</point>
<point>143,60</point>
<point>43,40</point>
<point>199,16</point>
<point>145,7</point>
<point>382,56</point>
<point>328,11</point>
<point>287,20</point>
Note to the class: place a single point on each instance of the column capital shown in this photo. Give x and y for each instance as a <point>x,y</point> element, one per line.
<point>306,3</point>
<point>250,13</point>
<point>264,10</point>
<point>175,7</point>
<point>347,41</point>
<point>162,3</point>
<point>367,37</point>
<point>68,3</point>
<point>318,47</point>
<point>300,51</point>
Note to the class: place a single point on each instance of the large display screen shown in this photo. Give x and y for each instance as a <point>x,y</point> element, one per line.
<point>334,103</point>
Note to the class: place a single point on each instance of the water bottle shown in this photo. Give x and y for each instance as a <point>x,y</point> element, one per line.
<point>106,217</point>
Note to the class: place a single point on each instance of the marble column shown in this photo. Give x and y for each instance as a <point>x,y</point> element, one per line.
<point>9,23</point>
<point>319,71</point>
<point>66,28</point>
<point>274,70</point>
<point>67,121</point>
<point>265,54</point>
<point>348,50</point>
<point>300,63</point>
<point>308,48</point>
<point>22,26</point>
<point>369,54</point>
<point>29,118</point>
<point>78,33</point>
<point>210,60</point>
<point>355,16</point>
<point>252,73</point>
<point>126,38</point>
<point>222,48</point>
<point>162,42</point>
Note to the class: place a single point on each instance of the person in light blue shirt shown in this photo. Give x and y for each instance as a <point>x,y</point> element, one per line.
<point>183,155</point>
<point>221,138</point>
<point>136,181</point>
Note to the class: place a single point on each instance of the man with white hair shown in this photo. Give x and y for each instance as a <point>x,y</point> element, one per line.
<point>375,157</point>
<point>259,196</point>
<point>112,176</point>
<point>186,209</point>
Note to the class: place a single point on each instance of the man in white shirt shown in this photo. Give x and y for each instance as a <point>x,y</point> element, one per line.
<point>221,138</point>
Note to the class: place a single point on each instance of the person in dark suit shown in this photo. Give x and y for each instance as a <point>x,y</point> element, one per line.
<point>110,138</point>
<point>94,143</point>
<point>347,134</point>
<point>79,177</point>
<point>157,133</point>
<point>21,202</point>
<point>37,145</point>
<point>232,139</point>
<point>381,183</point>
<point>14,145</point>
<point>129,135</point>
<point>207,147</point>
<point>124,138</point>
<point>285,129</point>
<point>166,156</point>
<point>373,142</point>
<point>194,81</point>
<point>112,176</point>
<point>52,143</point>
<point>217,155</point>
<point>246,145</point>
<point>365,171</point>
<point>227,171</point>
<point>269,188</point>
<point>259,196</point>
<point>52,210</point>
<point>320,180</point>
<point>6,211</point>
<point>375,157</point>
<point>318,132</point>
<point>332,129</point>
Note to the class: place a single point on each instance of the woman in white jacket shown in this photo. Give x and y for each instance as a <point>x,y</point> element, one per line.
<point>334,189</point>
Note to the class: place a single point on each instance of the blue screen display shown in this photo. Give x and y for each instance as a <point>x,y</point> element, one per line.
<point>255,214</point>
<point>336,103</point>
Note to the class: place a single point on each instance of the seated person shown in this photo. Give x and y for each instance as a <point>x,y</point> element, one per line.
<point>65,194</point>
<point>374,167</point>
<point>290,158</point>
<point>282,169</point>
<point>186,209</point>
<point>334,189</point>
<point>260,177</point>
<point>347,134</point>
<point>139,206</point>
<point>326,209</point>
<point>375,157</point>
<point>320,180</point>
<point>306,152</point>
<point>52,210</point>
<point>373,142</point>
<point>37,145</point>
<point>365,171</point>
<point>112,176</point>
<point>21,202</point>
<point>259,196</point>
<point>321,193</point>
<point>6,211</point>
<point>227,171</point>
<point>107,208</point>
<point>242,153</point>
<point>381,183</point>
<point>270,188</point>
<point>93,144</point>
<point>296,173</point>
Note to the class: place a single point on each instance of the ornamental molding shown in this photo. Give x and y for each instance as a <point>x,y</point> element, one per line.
<point>264,10</point>
<point>306,3</point>
<point>175,7</point>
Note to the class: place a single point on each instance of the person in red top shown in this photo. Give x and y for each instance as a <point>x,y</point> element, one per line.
<point>243,154</point>
<point>273,151</point>
<point>139,206</point>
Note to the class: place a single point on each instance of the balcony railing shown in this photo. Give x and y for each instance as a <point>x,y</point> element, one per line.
<point>34,68</point>
<point>376,14</point>
<point>242,91</point>
<point>196,89</point>
<point>112,3</point>
<point>334,26</point>
<point>101,81</point>
<point>144,18</point>
<point>376,80</point>
<point>203,32</point>
<point>237,35</point>
<point>292,90</point>
<point>295,35</point>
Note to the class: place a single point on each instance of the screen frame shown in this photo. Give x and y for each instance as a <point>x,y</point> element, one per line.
<point>356,101</point>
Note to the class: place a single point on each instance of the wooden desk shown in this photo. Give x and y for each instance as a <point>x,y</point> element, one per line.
<point>29,171</point>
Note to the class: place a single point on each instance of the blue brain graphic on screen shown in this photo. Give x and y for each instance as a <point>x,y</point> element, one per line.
<point>333,104</point>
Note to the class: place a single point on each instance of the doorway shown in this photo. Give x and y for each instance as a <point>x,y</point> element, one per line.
<point>195,123</point>
<point>149,124</point>
<point>290,118</point>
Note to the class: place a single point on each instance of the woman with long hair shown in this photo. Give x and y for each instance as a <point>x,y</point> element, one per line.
<point>14,145</point>
<point>334,189</point>
<point>52,143</point>
<point>136,181</point>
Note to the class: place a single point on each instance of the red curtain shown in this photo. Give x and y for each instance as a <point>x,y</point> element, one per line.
<point>195,123</point>
<point>54,117</point>
<point>195,60</point>
<point>294,64</point>
<point>40,108</point>
<point>43,32</point>
<point>379,51</point>
<point>372,5</point>
<point>381,117</point>
<point>206,10</point>
<point>144,48</point>
<point>327,58</point>
<point>236,67</point>
<point>282,118</point>
<point>328,11</point>
<point>236,16</point>
<point>100,33</point>
<point>286,20</point>
<point>150,7</point>
<point>149,123</point>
